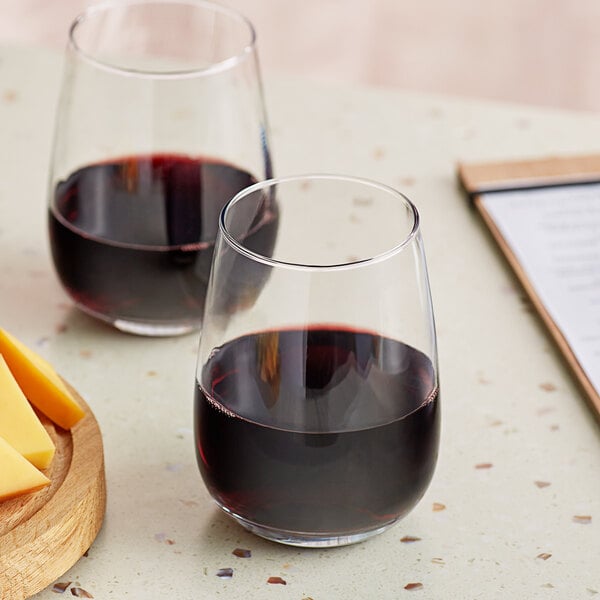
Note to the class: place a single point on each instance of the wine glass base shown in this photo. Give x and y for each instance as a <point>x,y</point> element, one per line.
<point>154,329</point>
<point>306,540</point>
<point>145,328</point>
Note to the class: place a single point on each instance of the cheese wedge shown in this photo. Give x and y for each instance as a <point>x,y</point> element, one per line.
<point>19,424</point>
<point>17,475</point>
<point>40,383</point>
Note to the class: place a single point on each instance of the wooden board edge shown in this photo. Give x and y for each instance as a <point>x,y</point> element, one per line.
<point>551,170</point>
<point>69,522</point>
<point>16,510</point>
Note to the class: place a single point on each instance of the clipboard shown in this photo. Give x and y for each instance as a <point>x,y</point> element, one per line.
<point>482,179</point>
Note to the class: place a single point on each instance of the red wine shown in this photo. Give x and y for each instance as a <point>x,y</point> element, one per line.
<point>328,431</point>
<point>133,238</point>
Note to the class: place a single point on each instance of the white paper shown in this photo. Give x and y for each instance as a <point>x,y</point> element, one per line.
<point>555,234</point>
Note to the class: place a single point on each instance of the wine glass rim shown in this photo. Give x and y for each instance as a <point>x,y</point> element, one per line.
<point>350,264</point>
<point>219,66</point>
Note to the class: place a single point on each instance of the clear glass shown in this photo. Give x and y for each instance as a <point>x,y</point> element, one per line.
<point>317,411</point>
<point>161,121</point>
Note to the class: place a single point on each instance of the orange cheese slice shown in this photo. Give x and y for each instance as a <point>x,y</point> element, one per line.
<point>40,383</point>
<point>19,425</point>
<point>17,475</point>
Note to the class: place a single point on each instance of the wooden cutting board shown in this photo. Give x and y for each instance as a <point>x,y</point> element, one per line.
<point>44,534</point>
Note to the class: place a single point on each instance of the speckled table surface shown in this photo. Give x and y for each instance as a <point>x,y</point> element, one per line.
<point>509,404</point>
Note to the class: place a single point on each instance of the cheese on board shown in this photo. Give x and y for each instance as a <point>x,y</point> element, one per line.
<point>19,425</point>
<point>17,475</point>
<point>40,383</point>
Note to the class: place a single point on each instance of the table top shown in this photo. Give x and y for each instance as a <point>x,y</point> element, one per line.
<point>520,450</point>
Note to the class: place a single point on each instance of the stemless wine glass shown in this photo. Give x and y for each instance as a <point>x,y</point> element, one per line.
<point>161,121</point>
<point>317,411</point>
